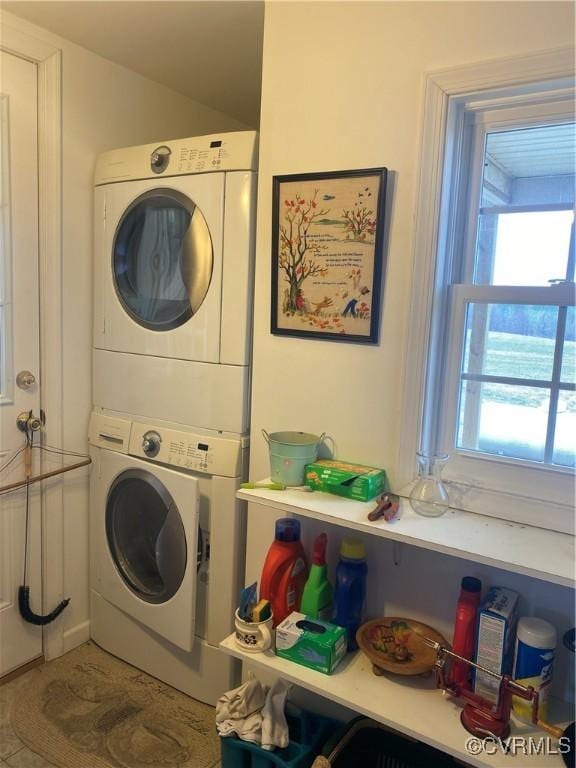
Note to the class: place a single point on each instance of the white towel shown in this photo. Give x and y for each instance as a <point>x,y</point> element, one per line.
<point>246,728</point>
<point>241,702</point>
<point>274,724</point>
<point>255,714</point>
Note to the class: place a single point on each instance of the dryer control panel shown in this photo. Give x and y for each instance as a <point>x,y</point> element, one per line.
<point>235,151</point>
<point>187,450</point>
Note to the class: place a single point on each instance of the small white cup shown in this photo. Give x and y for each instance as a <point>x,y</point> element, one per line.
<point>253,636</point>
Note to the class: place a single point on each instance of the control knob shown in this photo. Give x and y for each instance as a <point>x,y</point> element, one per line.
<point>151,444</point>
<point>159,159</point>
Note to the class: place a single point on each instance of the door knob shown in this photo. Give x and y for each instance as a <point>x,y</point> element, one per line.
<point>25,379</point>
<point>27,422</point>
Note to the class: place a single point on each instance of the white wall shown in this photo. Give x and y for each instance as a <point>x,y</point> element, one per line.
<point>104,106</point>
<point>342,89</point>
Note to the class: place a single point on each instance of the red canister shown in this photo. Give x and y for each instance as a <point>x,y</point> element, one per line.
<point>465,628</point>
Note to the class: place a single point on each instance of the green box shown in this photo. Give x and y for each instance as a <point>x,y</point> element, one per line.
<point>353,481</point>
<point>311,642</point>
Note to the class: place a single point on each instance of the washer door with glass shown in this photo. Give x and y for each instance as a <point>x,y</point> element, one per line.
<point>146,536</point>
<point>159,267</point>
<point>147,528</point>
<point>162,260</point>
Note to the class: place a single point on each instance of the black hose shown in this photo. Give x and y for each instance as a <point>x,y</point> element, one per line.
<point>26,611</point>
<point>36,618</point>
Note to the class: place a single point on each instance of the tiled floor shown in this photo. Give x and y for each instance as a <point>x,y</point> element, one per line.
<point>12,752</point>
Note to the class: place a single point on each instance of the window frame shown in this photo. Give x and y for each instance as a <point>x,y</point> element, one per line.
<point>462,291</point>
<point>539,77</point>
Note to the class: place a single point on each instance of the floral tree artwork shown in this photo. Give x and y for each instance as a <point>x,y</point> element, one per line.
<point>297,252</point>
<point>327,264</point>
<point>360,220</point>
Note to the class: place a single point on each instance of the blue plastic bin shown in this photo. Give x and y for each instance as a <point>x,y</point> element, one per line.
<point>308,733</point>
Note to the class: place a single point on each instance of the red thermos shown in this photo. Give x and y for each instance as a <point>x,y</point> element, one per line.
<point>465,628</point>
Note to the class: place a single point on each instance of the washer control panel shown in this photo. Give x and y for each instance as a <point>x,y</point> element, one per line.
<point>207,454</point>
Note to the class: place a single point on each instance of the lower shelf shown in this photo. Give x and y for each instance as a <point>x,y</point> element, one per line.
<point>410,705</point>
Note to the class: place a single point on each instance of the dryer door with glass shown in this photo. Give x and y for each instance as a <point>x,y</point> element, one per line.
<point>145,525</point>
<point>158,277</point>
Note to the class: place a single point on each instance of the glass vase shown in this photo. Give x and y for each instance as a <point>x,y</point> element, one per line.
<point>429,496</point>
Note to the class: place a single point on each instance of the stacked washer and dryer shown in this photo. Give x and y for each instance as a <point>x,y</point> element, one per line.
<point>174,247</point>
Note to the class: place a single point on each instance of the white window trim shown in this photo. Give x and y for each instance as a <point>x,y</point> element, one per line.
<point>6,382</point>
<point>489,78</point>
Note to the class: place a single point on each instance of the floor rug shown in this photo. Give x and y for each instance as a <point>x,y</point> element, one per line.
<point>88,709</point>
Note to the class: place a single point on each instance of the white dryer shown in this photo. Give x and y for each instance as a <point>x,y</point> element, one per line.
<point>167,549</point>
<point>174,244</point>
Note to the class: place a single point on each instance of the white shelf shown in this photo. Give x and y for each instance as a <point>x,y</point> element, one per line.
<point>536,552</point>
<point>410,705</point>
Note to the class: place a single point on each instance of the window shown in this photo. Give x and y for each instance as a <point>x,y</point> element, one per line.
<point>497,383</point>
<point>511,323</point>
<point>5,318</point>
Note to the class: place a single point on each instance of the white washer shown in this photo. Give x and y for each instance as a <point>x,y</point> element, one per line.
<point>167,541</point>
<point>174,245</point>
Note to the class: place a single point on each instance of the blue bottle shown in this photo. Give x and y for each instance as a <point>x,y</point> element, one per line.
<point>350,588</point>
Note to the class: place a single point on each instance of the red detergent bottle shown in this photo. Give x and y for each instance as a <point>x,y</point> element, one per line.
<point>465,628</point>
<point>285,570</point>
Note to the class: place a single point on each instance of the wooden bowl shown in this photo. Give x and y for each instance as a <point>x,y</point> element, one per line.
<point>394,644</point>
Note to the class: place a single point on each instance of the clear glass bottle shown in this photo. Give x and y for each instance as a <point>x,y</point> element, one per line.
<point>429,496</point>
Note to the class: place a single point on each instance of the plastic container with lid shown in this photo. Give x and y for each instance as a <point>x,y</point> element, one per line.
<point>533,660</point>
<point>465,627</point>
<point>350,588</point>
<point>285,570</point>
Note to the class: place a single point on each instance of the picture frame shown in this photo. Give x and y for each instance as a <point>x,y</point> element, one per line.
<point>328,259</point>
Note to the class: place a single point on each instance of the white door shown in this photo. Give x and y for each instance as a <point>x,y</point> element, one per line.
<point>20,642</point>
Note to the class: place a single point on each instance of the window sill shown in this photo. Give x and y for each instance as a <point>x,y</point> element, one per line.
<point>515,547</point>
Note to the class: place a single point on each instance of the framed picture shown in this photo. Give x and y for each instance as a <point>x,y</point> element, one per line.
<point>327,254</point>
